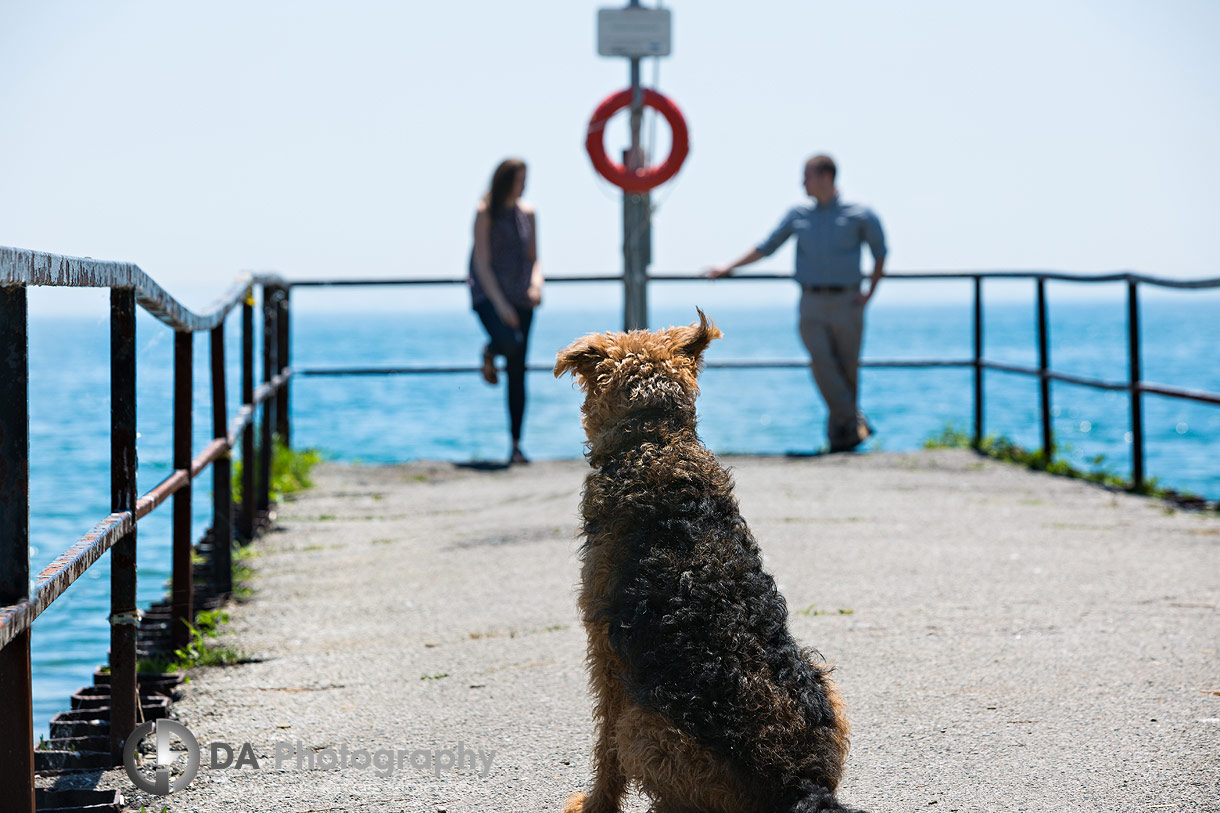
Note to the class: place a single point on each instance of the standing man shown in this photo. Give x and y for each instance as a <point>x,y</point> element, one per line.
<point>828,239</point>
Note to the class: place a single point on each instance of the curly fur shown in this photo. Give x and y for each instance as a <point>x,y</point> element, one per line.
<point>701,696</point>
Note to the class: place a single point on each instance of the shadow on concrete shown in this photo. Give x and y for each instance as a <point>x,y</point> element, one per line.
<point>482,465</point>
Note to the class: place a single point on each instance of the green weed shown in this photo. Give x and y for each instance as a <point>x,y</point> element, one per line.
<point>200,651</point>
<point>290,470</point>
<point>813,610</point>
<point>1002,448</point>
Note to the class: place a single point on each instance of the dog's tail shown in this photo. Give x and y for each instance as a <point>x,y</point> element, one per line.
<point>812,797</point>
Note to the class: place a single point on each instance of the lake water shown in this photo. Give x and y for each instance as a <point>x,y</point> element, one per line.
<point>458,417</point>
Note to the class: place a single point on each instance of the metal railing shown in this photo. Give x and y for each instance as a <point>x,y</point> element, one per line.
<point>1135,386</point>
<point>129,287</point>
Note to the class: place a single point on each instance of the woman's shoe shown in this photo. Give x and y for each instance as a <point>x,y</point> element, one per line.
<point>517,457</point>
<point>489,368</point>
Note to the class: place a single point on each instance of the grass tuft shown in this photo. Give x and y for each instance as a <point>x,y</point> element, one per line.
<point>1002,448</point>
<point>202,650</point>
<point>290,471</point>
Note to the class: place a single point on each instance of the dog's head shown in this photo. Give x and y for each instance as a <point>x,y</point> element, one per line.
<point>625,372</point>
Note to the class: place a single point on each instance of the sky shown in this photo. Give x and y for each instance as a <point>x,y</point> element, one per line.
<point>353,139</point>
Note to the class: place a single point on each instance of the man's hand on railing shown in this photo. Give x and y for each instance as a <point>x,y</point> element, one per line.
<point>718,271</point>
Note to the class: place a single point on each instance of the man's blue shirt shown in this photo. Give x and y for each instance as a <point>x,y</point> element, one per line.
<point>828,240</point>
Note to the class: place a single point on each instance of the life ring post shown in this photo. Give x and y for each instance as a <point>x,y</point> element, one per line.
<point>635,32</point>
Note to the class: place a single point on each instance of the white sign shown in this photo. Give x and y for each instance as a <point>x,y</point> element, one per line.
<point>633,31</point>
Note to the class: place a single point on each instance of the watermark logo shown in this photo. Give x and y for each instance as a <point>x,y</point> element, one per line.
<point>384,762</point>
<point>169,774</point>
<point>162,781</point>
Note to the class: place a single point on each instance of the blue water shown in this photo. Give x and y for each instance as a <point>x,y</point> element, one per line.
<point>458,417</point>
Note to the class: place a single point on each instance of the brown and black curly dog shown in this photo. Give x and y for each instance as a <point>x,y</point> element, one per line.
<point>703,700</point>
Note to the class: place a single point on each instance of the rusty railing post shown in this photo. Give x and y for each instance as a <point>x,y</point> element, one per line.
<point>282,418</point>
<point>268,408</point>
<point>183,578</point>
<point>124,619</point>
<point>16,696</point>
<point>222,474</point>
<point>1137,396</point>
<point>1044,382</point>
<point>978,362</point>
<point>246,531</point>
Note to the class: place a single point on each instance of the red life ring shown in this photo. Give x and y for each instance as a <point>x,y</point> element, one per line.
<point>640,180</point>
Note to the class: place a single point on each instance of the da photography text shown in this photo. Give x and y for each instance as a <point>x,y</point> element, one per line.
<point>384,762</point>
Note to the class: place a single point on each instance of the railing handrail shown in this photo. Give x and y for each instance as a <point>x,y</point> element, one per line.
<point>1135,386</point>
<point>24,267</point>
<point>1058,276</point>
<point>20,604</point>
<point>40,268</point>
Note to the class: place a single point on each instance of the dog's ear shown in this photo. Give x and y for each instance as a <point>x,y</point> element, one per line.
<point>693,340</point>
<point>581,357</point>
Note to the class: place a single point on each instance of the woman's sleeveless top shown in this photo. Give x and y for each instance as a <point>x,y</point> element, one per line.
<point>511,234</point>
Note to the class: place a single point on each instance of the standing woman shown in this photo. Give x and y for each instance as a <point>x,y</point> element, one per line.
<point>506,284</point>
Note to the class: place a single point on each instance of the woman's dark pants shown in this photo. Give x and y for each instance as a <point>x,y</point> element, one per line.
<point>510,343</point>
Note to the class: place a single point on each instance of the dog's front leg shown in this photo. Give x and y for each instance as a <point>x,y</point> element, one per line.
<point>609,781</point>
<point>605,675</point>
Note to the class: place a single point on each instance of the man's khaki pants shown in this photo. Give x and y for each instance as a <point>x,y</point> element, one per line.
<point>832,327</point>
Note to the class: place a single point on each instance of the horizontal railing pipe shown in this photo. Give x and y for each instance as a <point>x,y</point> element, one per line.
<point>393,281</point>
<point>61,573</point>
<point>1178,392</point>
<point>161,492</point>
<point>1057,276</point>
<point>727,364</point>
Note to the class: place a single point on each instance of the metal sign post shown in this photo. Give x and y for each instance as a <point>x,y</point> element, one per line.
<point>637,221</point>
<point>635,32</point>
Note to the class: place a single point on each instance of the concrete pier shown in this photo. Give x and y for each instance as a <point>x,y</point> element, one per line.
<point>1004,640</point>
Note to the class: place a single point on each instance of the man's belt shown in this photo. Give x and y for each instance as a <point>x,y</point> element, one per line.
<point>829,289</point>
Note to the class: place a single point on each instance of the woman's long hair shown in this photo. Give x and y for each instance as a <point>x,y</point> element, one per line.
<point>501,184</point>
